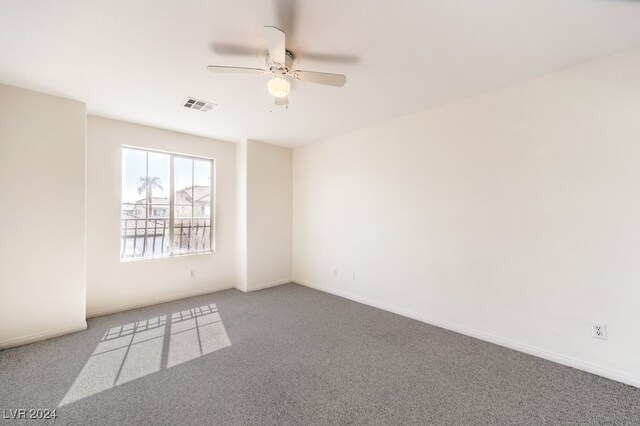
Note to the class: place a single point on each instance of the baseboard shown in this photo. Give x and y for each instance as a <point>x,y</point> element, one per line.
<point>149,302</point>
<point>269,284</point>
<point>511,344</point>
<point>42,336</point>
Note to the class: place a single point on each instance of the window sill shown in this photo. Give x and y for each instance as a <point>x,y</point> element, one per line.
<point>169,256</point>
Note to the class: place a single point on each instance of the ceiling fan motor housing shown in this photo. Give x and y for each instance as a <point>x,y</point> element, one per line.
<point>282,68</point>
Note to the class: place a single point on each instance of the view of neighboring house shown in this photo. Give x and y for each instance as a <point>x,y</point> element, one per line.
<point>198,196</point>
<point>159,208</point>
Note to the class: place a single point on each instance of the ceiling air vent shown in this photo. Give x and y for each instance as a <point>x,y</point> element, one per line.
<point>197,104</point>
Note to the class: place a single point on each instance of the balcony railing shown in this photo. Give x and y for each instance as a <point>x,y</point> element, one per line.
<point>149,238</point>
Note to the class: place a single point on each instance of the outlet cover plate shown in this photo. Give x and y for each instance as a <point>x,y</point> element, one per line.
<point>598,330</point>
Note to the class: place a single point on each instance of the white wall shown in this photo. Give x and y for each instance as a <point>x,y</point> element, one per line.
<point>42,188</point>
<point>113,285</point>
<point>513,216</point>
<point>241,216</point>
<point>269,215</point>
<point>265,207</point>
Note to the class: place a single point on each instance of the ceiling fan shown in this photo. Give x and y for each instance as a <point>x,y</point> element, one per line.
<point>279,63</point>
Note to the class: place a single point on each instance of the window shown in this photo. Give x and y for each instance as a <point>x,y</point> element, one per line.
<point>166,204</point>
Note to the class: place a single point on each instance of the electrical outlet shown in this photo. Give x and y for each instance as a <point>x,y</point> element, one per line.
<point>335,273</point>
<point>598,330</point>
<point>192,273</point>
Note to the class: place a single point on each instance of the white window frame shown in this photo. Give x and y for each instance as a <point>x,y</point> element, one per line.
<point>212,205</point>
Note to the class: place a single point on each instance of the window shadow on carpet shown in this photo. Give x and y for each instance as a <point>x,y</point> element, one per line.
<point>128,352</point>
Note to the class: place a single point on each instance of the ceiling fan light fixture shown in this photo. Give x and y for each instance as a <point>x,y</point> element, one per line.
<point>279,87</point>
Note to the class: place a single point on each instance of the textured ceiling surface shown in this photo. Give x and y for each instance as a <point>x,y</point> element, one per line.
<point>139,60</point>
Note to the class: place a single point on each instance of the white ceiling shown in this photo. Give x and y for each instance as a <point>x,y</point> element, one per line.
<point>138,60</point>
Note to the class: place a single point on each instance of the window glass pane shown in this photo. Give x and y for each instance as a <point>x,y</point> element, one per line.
<point>134,171</point>
<point>202,189</point>
<point>158,184</point>
<point>183,182</point>
<point>202,172</point>
<point>202,178</point>
<point>183,204</point>
<point>158,190</point>
<point>145,204</point>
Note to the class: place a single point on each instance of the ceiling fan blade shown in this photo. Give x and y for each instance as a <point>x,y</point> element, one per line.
<point>286,13</point>
<point>282,101</point>
<point>275,39</point>
<point>235,70</point>
<point>337,80</point>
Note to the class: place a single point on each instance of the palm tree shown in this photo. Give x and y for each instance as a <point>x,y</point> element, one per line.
<point>148,184</point>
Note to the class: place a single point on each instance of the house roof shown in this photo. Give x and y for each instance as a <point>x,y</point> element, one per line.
<point>201,194</point>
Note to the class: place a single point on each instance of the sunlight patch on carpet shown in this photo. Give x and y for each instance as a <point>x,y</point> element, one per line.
<point>131,351</point>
